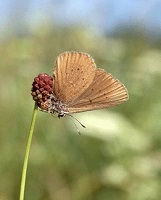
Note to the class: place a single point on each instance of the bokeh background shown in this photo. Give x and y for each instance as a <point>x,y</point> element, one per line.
<point>118,155</point>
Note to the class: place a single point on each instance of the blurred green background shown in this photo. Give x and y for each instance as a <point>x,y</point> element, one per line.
<point>118,155</point>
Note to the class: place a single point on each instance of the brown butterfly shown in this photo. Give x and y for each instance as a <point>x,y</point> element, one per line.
<point>79,86</point>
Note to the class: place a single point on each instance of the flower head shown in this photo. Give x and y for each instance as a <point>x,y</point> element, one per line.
<point>42,90</point>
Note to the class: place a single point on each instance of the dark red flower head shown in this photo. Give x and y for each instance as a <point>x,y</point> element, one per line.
<point>42,89</point>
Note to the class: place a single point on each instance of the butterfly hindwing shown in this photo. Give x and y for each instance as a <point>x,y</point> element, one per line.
<point>105,91</point>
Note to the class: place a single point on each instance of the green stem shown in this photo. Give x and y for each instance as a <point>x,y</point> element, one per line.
<point>24,171</point>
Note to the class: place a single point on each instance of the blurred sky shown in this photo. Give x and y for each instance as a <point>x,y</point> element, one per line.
<point>103,15</point>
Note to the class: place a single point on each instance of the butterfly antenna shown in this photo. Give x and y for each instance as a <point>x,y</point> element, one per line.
<point>76,126</point>
<point>76,120</point>
<point>75,123</point>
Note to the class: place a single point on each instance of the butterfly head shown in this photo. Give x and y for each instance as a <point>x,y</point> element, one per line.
<point>55,105</point>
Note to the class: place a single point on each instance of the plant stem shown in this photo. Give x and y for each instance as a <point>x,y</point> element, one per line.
<point>25,164</point>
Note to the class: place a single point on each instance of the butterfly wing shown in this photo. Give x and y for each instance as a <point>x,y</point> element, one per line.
<point>73,74</point>
<point>105,91</point>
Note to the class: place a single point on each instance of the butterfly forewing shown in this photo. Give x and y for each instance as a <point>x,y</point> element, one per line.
<point>73,74</point>
<point>105,91</point>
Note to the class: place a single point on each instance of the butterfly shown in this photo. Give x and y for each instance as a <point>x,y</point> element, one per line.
<point>78,86</point>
